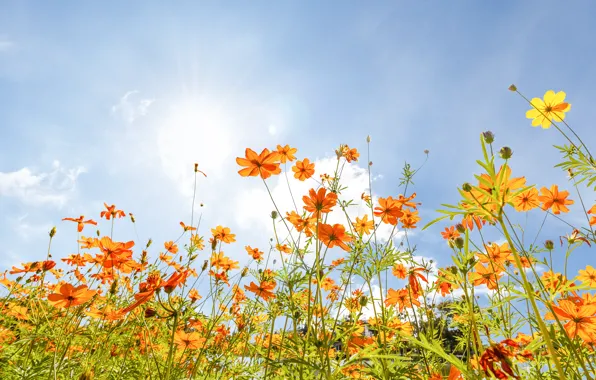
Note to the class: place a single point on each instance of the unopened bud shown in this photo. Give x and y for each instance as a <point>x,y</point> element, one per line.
<point>368,139</point>
<point>244,272</point>
<point>150,312</point>
<point>549,245</point>
<point>460,228</point>
<point>205,264</point>
<point>459,242</point>
<point>114,287</point>
<point>132,217</point>
<point>505,152</point>
<point>488,137</point>
<point>426,151</point>
<point>196,167</point>
<point>512,88</point>
<point>466,187</point>
<point>97,233</point>
<point>363,301</point>
<point>52,232</point>
<point>149,243</point>
<point>274,214</point>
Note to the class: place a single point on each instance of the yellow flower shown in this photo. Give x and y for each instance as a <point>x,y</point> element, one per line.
<point>551,108</point>
<point>588,276</point>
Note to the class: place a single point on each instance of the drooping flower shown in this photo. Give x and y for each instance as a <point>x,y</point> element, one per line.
<point>551,108</point>
<point>80,222</point>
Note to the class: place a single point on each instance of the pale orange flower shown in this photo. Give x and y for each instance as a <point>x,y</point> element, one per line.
<point>527,200</point>
<point>188,341</point>
<point>187,228</point>
<point>171,247</point>
<point>554,199</point>
<point>286,153</point>
<point>223,234</point>
<point>254,253</point>
<point>363,226</point>
<point>588,276</point>
<point>303,170</point>
<point>399,271</point>
<point>264,164</point>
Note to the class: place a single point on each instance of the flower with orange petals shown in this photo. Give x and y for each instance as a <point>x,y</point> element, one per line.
<point>187,228</point>
<point>363,226</point>
<point>223,234</point>
<point>254,253</point>
<point>264,290</point>
<point>399,271</point>
<point>80,222</point>
<point>286,153</point>
<point>554,199</point>
<point>303,170</point>
<point>581,317</point>
<point>67,296</point>
<point>389,210</point>
<point>188,341</point>
<point>450,233</point>
<point>588,276</point>
<point>319,201</point>
<point>484,275</point>
<point>527,200</point>
<point>264,164</point>
<point>171,247</point>
<point>111,212</point>
<point>334,235</point>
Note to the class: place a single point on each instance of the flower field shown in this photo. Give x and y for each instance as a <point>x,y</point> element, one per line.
<point>185,309</point>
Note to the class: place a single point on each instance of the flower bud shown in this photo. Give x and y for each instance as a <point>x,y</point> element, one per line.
<point>459,242</point>
<point>460,228</point>
<point>426,151</point>
<point>52,232</point>
<point>466,187</point>
<point>488,137</point>
<point>512,88</point>
<point>244,272</point>
<point>132,217</point>
<point>196,167</point>
<point>368,139</point>
<point>205,264</point>
<point>549,245</point>
<point>363,301</point>
<point>150,312</point>
<point>505,152</point>
<point>274,215</point>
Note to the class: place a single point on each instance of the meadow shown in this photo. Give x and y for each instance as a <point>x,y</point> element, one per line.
<point>502,309</point>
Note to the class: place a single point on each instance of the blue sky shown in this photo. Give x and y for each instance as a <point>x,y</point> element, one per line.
<point>114,102</point>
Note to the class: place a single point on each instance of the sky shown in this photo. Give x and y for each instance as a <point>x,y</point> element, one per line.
<point>112,102</point>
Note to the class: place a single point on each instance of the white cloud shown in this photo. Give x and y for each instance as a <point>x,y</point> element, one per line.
<point>130,108</point>
<point>53,187</point>
<point>27,230</point>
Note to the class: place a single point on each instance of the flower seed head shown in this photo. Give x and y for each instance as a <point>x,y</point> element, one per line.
<point>505,153</point>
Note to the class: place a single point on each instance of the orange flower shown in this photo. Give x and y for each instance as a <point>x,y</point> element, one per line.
<point>220,261</point>
<point>319,201</point>
<point>283,248</point>
<point>171,247</point>
<point>554,199</point>
<point>450,233</point>
<point>254,252</point>
<point>303,170</point>
<point>187,228</point>
<point>263,290</point>
<point>223,234</point>
<point>414,275</point>
<point>111,212</point>
<point>350,154</point>
<point>188,341</point>
<point>264,164</point>
<point>286,153</point>
<point>80,222</point>
<point>334,235</point>
<point>363,226</point>
<point>588,276</point>
<point>389,210</point>
<point>483,275</point>
<point>194,295</point>
<point>401,298</point>
<point>581,317</point>
<point>527,200</point>
<point>469,220</point>
<point>68,296</point>
<point>399,271</point>
<point>592,219</point>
